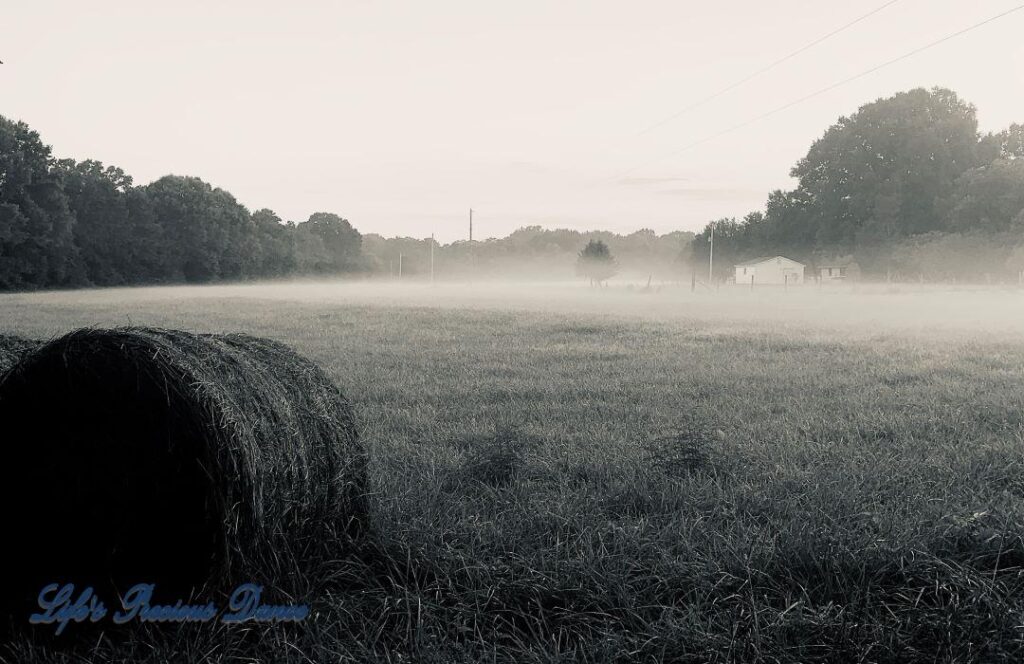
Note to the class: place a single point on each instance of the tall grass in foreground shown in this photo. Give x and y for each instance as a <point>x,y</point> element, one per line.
<point>574,488</point>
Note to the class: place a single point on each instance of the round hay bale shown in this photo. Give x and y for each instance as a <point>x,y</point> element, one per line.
<point>12,348</point>
<point>187,460</point>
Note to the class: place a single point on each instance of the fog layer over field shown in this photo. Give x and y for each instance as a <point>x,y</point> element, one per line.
<point>565,473</point>
<point>813,310</point>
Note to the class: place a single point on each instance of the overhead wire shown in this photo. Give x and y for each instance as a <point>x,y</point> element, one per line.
<point>765,69</point>
<point>827,88</point>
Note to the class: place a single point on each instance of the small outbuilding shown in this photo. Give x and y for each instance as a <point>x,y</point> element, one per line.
<point>770,270</point>
<point>837,271</point>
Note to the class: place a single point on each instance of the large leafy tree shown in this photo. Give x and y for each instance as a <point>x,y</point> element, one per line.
<point>237,232</point>
<point>989,198</point>
<point>276,244</point>
<point>881,173</point>
<point>150,253</point>
<point>790,225</point>
<point>209,235</point>
<point>180,205</point>
<point>98,197</point>
<point>311,255</point>
<point>596,263</point>
<point>1007,144</point>
<point>908,165</point>
<point>342,244</point>
<point>36,242</point>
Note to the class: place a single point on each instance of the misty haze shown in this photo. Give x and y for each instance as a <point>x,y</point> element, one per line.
<point>519,332</point>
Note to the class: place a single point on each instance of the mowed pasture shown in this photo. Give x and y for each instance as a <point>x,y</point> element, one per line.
<point>566,474</point>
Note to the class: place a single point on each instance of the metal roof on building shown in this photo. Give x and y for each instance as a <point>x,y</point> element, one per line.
<point>764,259</point>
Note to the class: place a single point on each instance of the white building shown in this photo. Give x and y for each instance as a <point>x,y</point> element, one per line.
<point>770,270</point>
<point>838,271</point>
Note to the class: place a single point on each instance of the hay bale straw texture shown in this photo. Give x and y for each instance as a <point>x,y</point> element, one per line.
<point>12,348</point>
<point>192,461</point>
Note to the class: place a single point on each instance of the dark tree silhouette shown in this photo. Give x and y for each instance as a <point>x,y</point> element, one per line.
<point>596,263</point>
<point>36,242</point>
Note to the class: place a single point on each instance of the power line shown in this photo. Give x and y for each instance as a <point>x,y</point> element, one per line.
<point>828,88</point>
<point>765,69</point>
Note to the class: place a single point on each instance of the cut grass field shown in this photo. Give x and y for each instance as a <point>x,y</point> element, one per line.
<point>640,478</point>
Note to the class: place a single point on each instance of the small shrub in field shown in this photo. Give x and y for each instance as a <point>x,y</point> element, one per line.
<point>691,448</point>
<point>496,460</point>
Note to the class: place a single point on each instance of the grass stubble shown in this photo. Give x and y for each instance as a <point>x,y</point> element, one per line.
<point>571,487</point>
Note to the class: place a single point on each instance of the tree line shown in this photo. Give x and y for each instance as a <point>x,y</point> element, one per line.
<point>75,223</point>
<point>906,187</point>
<point>67,223</point>
<point>530,252</point>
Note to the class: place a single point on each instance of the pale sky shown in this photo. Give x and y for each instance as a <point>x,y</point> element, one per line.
<point>402,115</point>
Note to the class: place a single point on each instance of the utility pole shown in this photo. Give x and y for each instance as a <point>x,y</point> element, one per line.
<point>711,254</point>
<point>431,258</point>
<point>399,265</point>
<point>470,224</point>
